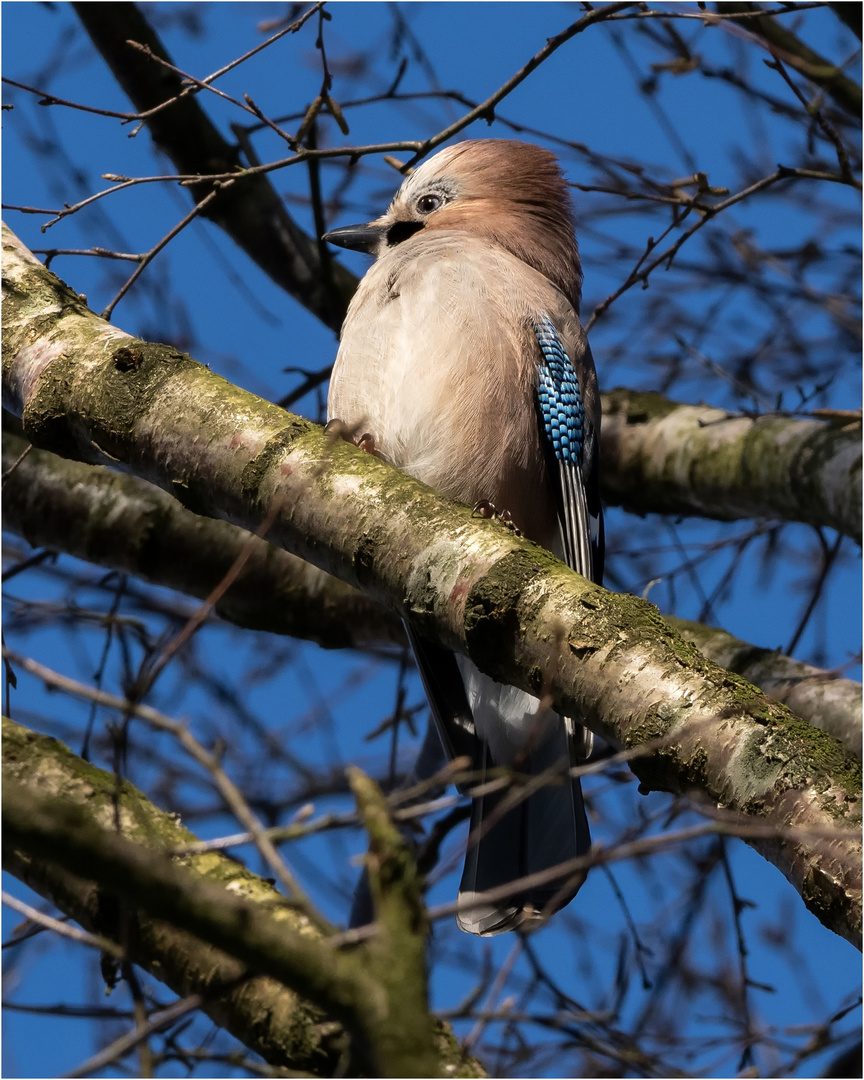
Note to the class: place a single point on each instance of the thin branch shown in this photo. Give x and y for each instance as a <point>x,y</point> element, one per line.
<point>94,941</point>
<point>52,99</point>
<point>708,213</point>
<point>486,109</point>
<point>149,256</point>
<point>120,1047</point>
<point>600,856</point>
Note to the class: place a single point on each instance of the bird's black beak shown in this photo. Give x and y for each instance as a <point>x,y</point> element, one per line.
<point>357,237</point>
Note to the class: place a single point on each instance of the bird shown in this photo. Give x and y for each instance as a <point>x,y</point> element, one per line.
<point>462,361</point>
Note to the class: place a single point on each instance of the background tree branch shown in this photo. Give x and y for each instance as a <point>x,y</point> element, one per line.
<point>791,49</point>
<point>251,212</point>
<point>259,1010</point>
<point>663,457</point>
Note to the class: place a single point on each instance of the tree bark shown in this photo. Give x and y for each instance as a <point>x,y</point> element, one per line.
<point>84,388</point>
<point>815,695</point>
<point>662,457</point>
<point>122,523</point>
<point>262,1013</point>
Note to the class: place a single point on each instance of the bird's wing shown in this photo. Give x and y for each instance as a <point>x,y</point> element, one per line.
<point>568,419</point>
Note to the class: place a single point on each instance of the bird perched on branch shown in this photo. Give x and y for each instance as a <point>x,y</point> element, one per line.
<point>463,362</point>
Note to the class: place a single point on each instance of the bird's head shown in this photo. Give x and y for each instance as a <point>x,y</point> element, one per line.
<point>508,193</point>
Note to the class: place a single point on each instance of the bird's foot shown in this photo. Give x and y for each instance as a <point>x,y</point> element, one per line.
<point>338,429</point>
<point>486,509</point>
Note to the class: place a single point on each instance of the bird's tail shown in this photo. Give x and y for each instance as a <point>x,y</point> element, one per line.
<point>510,837</point>
<point>534,824</point>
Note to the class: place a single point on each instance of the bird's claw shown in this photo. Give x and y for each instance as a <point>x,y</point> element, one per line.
<point>486,509</point>
<point>335,429</point>
<point>338,429</point>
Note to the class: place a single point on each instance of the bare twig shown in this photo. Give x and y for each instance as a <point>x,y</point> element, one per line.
<point>95,941</point>
<point>120,1047</point>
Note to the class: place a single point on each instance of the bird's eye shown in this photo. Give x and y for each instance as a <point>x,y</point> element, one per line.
<point>427,203</point>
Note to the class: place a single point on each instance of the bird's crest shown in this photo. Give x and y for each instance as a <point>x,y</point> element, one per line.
<point>508,192</point>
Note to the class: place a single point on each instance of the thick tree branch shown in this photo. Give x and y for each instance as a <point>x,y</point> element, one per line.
<point>250,211</point>
<point>815,695</point>
<point>83,387</point>
<point>662,457</point>
<point>789,48</point>
<point>850,15</point>
<point>202,924</point>
<point>122,523</point>
<point>258,1010</point>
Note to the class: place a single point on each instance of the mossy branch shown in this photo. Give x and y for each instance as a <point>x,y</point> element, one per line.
<point>119,522</point>
<point>818,696</point>
<point>123,523</point>
<point>400,918</point>
<point>665,458</point>
<point>259,1010</point>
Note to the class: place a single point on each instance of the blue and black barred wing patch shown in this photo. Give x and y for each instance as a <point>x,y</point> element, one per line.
<point>561,412</point>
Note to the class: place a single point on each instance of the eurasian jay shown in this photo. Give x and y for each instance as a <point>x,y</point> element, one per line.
<point>463,362</point>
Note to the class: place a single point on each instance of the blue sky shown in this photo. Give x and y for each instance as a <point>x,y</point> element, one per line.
<point>205,292</point>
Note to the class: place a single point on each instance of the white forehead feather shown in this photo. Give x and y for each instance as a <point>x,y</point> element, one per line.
<point>425,175</point>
